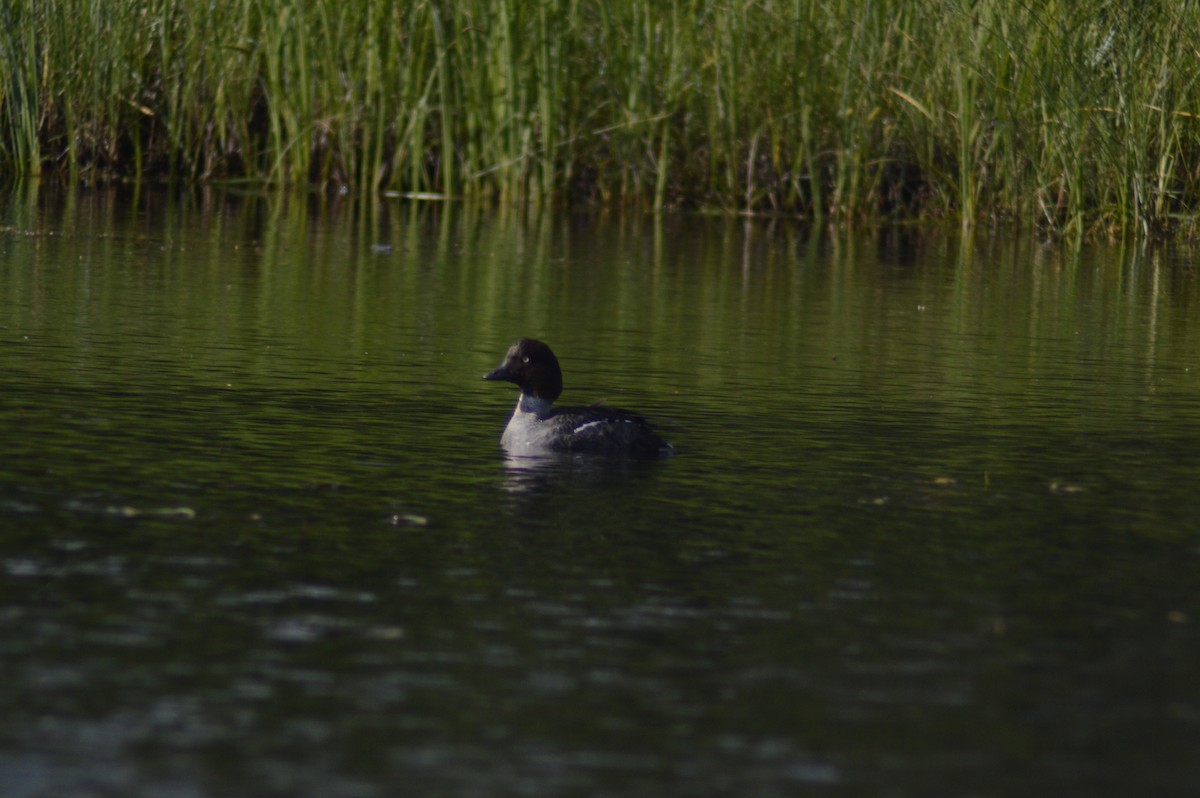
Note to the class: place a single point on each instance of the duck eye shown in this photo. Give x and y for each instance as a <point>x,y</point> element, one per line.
<point>525,359</point>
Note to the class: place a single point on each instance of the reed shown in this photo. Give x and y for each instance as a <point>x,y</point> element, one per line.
<point>1080,116</point>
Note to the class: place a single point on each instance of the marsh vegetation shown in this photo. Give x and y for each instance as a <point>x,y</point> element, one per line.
<point>1078,116</point>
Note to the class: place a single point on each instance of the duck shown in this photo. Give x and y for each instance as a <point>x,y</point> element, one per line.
<point>537,426</point>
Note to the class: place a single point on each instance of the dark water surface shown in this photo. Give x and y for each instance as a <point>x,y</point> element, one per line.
<point>933,529</point>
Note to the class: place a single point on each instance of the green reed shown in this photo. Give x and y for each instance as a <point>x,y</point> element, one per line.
<point>1080,116</point>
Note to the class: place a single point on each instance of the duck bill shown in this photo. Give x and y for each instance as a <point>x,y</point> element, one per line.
<point>501,372</point>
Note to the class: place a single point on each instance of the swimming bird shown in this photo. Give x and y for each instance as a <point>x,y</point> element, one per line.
<point>537,426</point>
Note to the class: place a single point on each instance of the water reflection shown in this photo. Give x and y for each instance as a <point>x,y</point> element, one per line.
<point>536,473</point>
<point>933,524</point>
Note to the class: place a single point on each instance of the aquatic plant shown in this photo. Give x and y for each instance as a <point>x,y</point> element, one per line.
<point>1080,116</point>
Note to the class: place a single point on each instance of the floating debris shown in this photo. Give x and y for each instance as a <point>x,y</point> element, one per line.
<point>387,633</point>
<point>128,511</point>
<point>408,519</point>
<point>416,195</point>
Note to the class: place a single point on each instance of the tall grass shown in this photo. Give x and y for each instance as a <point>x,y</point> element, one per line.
<point>1078,115</point>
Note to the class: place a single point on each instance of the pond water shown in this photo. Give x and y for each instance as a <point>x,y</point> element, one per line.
<point>932,528</point>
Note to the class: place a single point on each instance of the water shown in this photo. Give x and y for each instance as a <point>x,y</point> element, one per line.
<point>931,530</point>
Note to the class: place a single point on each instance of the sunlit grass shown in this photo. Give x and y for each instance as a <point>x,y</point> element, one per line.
<point>1079,116</point>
